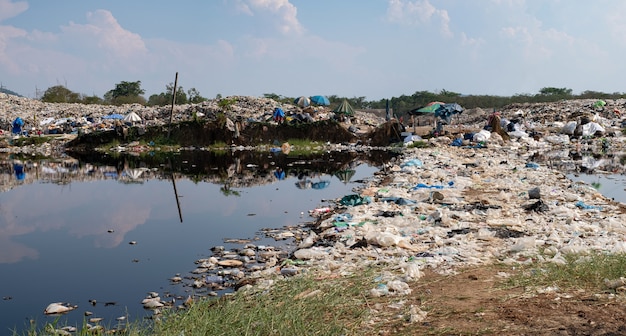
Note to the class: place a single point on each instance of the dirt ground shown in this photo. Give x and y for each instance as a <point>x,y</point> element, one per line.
<point>475,302</point>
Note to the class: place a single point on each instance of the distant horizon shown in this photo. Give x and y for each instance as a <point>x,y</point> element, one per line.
<point>146,96</point>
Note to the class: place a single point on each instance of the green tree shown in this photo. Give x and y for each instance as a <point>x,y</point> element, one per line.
<point>552,91</point>
<point>125,93</point>
<point>93,99</point>
<point>181,96</point>
<point>158,100</point>
<point>165,98</point>
<point>194,96</point>
<point>60,94</point>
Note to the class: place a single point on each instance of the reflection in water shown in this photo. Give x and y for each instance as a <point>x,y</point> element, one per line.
<point>68,223</point>
<point>581,161</point>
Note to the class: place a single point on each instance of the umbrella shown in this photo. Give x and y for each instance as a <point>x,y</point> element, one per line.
<point>132,117</point>
<point>133,174</point>
<point>304,184</point>
<point>344,108</point>
<point>320,100</point>
<point>320,185</point>
<point>345,175</point>
<point>302,101</point>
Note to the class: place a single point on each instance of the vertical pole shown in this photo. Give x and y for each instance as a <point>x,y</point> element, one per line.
<point>169,126</point>
<point>180,213</point>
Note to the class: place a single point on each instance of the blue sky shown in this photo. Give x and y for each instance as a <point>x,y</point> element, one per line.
<point>355,48</point>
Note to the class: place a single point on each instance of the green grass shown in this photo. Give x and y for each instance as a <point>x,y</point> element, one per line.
<point>585,272</point>
<point>32,140</point>
<point>419,144</point>
<point>334,308</point>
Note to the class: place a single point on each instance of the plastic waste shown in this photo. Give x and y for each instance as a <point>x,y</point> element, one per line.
<point>214,279</point>
<point>411,163</point>
<point>532,165</point>
<point>582,205</point>
<point>310,253</point>
<point>352,200</point>
<point>398,200</point>
<point>379,290</point>
<point>399,287</point>
<point>426,186</point>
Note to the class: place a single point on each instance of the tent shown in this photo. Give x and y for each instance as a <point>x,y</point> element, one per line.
<point>132,117</point>
<point>344,108</point>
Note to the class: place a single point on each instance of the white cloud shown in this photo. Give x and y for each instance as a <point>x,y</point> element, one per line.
<point>104,30</point>
<point>9,9</point>
<point>285,11</point>
<point>7,33</point>
<point>419,12</point>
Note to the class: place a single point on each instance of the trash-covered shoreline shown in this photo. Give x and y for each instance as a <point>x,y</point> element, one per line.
<point>470,197</point>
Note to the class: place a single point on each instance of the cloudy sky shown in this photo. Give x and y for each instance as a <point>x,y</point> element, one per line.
<point>356,48</point>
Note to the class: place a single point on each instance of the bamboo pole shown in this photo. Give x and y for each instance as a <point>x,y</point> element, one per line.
<point>169,127</point>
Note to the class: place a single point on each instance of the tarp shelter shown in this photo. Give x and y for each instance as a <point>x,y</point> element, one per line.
<point>320,100</point>
<point>446,111</point>
<point>17,125</point>
<point>425,110</point>
<point>132,117</point>
<point>344,108</point>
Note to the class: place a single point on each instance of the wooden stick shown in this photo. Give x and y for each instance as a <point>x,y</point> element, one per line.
<point>169,128</point>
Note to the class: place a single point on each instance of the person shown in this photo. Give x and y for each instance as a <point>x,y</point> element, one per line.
<point>279,115</point>
<point>279,173</point>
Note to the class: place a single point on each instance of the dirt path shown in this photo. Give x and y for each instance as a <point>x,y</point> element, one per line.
<point>475,302</point>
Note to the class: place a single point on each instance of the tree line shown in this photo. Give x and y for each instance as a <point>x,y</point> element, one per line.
<point>131,93</point>
<point>124,93</point>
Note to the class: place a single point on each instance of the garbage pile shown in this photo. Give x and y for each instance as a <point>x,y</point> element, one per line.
<point>57,118</point>
<point>446,208</point>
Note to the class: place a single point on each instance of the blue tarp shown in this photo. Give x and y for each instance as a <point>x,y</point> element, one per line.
<point>113,116</point>
<point>17,125</point>
<point>278,113</point>
<point>19,171</point>
<point>320,185</point>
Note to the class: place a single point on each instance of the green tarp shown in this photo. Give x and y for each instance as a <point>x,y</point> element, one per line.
<point>344,108</point>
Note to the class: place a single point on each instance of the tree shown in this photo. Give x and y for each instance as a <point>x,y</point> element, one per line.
<point>181,96</point>
<point>93,99</point>
<point>552,91</point>
<point>126,93</point>
<point>194,96</point>
<point>60,94</point>
<point>165,98</point>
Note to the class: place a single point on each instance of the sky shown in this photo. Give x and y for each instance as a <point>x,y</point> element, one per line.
<point>375,49</point>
